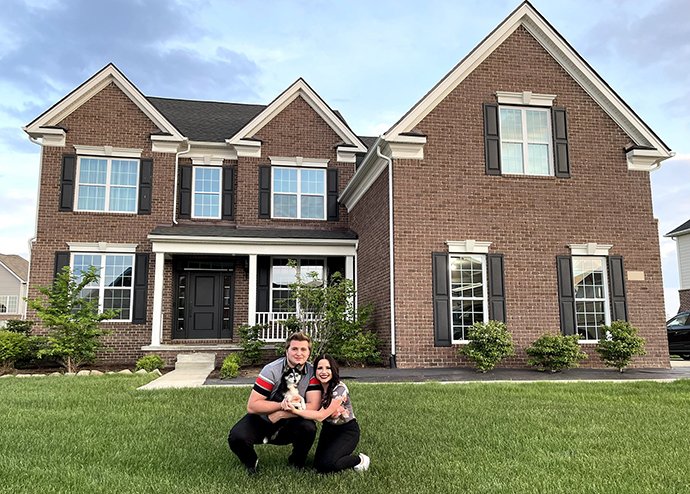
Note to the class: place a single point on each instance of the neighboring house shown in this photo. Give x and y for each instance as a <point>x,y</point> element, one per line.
<point>681,235</point>
<point>14,274</point>
<point>517,189</point>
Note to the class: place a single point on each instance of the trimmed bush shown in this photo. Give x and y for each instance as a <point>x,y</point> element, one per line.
<point>251,344</point>
<point>490,343</point>
<point>231,366</point>
<point>555,352</point>
<point>13,347</point>
<point>619,344</point>
<point>17,326</point>
<point>150,363</point>
<point>360,349</point>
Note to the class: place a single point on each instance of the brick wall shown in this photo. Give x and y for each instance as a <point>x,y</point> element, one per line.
<point>684,300</point>
<point>530,220</point>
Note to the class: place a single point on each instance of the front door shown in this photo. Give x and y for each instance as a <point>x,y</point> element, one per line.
<point>206,298</point>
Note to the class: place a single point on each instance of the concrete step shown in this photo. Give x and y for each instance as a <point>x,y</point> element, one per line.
<point>202,360</point>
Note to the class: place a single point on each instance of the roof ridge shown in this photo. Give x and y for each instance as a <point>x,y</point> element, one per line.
<point>205,101</point>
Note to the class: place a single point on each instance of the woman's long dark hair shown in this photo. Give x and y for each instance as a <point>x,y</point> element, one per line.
<point>335,378</point>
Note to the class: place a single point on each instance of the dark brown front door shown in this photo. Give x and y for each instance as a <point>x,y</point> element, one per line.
<point>208,305</point>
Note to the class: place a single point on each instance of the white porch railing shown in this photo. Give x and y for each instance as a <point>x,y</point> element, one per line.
<point>275,330</point>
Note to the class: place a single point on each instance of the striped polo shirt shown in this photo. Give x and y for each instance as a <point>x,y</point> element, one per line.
<point>270,377</point>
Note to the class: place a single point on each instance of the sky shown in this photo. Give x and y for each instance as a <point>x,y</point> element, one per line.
<point>371,60</point>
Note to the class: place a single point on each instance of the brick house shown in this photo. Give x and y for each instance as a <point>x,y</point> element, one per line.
<point>14,275</point>
<point>517,189</point>
<point>681,235</point>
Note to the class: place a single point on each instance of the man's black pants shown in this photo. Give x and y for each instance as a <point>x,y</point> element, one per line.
<point>252,429</point>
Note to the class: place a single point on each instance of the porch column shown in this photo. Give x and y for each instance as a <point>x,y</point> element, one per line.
<point>157,317</point>
<point>251,296</point>
<point>350,267</point>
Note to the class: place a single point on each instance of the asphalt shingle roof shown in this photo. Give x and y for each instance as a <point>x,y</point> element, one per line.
<point>684,227</point>
<point>17,264</point>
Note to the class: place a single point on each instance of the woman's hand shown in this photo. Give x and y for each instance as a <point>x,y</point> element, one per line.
<point>279,415</point>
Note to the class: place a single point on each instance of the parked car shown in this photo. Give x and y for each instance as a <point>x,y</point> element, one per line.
<point>678,330</point>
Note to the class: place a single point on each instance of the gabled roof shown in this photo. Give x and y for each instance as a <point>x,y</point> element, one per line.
<point>683,229</point>
<point>529,18</point>
<point>207,121</point>
<point>108,74</point>
<point>16,265</point>
<point>299,89</point>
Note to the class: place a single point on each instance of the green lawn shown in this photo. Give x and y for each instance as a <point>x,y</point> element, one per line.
<point>98,434</point>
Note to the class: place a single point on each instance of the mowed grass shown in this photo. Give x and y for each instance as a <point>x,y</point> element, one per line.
<point>101,435</point>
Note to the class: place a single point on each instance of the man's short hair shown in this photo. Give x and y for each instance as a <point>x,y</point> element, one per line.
<point>298,336</point>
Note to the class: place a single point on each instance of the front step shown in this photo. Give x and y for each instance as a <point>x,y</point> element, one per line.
<point>191,370</point>
<point>196,359</point>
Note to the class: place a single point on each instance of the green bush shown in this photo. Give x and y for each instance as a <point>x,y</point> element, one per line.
<point>251,344</point>
<point>489,343</point>
<point>17,326</point>
<point>13,347</point>
<point>360,349</point>
<point>150,363</point>
<point>618,344</point>
<point>231,366</point>
<point>555,352</point>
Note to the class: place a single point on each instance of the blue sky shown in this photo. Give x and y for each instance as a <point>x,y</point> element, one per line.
<point>371,60</point>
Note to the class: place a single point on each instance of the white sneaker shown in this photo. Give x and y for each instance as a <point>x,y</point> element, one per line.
<point>363,464</point>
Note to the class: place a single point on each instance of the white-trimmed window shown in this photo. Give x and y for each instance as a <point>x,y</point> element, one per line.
<point>591,296</point>
<point>298,193</point>
<point>107,184</point>
<point>283,275</point>
<point>526,140</point>
<point>468,293</point>
<point>9,304</point>
<point>114,288</point>
<point>206,192</point>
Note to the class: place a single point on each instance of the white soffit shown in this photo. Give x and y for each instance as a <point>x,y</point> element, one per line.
<point>528,17</point>
<point>109,74</point>
<point>299,89</point>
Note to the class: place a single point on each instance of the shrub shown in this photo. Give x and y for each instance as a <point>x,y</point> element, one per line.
<point>17,326</point>
<point>489,343</point>
<point>620,344</point>
<point>150,363</point>
<point>231,366</point>
<point>251,344</point>
<point>359,350</point>
<point>13,347</point>
<point>555,352</point>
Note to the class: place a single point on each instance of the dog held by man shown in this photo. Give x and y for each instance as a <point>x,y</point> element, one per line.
<point>269,395</point>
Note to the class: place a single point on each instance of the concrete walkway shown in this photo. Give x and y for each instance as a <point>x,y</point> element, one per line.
<point>192,370</point>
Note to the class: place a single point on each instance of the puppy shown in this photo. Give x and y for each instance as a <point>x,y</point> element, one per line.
<point>292,395</point>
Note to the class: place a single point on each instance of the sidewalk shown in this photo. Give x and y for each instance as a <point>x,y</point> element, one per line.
<point>679,370</point>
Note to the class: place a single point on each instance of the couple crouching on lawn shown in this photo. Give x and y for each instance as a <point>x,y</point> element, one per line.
<point>287,397</point>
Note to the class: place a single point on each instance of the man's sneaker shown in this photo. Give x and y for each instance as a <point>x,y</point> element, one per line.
<point>253,470</point>
<point>363,463</point>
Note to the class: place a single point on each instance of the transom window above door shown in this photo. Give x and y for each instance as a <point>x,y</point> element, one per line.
<point>107,184</point>
<point>526,140</point>
<point>298,193</point>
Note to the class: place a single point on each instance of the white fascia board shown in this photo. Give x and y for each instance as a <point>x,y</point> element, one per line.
<point>166,144</point>
<point>247,246</point>
<point>50,137</point>
<point>407,147</point>
<point>299,89</point>
<point>210,153</point>
<point>559,49</point>
<point>346,154</point>
<point>88,89</point>
<point>246,148</point>
<point>644,159</point>
<point>678,234</point>
<point>2,264</point>
<point>368,171</point>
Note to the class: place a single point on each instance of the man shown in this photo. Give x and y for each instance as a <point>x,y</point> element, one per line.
<point>267,398</point>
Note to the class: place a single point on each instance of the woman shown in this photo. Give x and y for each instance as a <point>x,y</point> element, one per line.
<point>340,431</point>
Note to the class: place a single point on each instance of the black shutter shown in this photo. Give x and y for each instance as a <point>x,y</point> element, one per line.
<point>141,276</point>
<point>619,307</point>
<point>560,142</point>
<point>228,193</point>
<point>263,279</point>
<point>61,260</point>
<point>566,294</point>
<point>335,265</point>
<point>492,140</point>
<point>69,170</point>
<point>497,297</point>
<point>145,183</point>
<point>332,194</point>
<point>439,276</point>
<point>185,191</point>
<point>264,191</point>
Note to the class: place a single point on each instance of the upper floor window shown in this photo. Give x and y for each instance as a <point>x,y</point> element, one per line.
<point>206,197</point>
<point>9,304</point>
<point>526,142</point>
<point>298,193</point>
<point>591,296</point>
<point>114,287</point>
<point>107,184</point>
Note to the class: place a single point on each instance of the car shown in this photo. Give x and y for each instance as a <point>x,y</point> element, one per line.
<point>678,331</point>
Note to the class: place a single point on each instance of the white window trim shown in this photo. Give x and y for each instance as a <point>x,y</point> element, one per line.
<point>299,273</point>
<point>298,161</point>
<point>485,291</point>
<point>607,300</point>
<point>108,186</point>
<point>524,98</point>
<point>525,142</point>
<point>220,192</point>
<point>590,249</point>
<point>299,194</point>
<point>101,278</point>
<point>110,151</point>
<point>5,300</point>
<point>98,247</point>
<point>467,247</point>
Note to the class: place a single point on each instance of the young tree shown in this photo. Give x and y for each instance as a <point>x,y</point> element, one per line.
<point>74,335</point>
<point>620,344</point>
